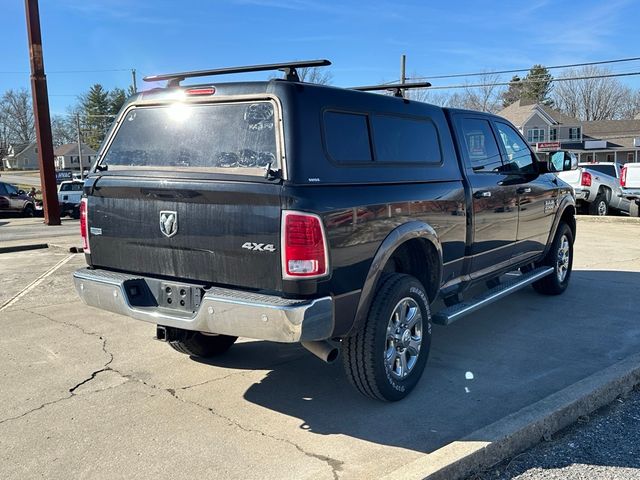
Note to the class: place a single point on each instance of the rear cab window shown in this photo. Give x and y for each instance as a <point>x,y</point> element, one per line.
<point>71,187</point>
<point>606,169</point>
<point>236,138</point>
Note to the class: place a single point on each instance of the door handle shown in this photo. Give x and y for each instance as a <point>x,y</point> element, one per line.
<point>482,194</point>
<point>522,190</point>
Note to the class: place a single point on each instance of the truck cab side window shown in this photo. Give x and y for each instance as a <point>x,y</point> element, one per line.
<point>481,147</point>
<point>519,158</point>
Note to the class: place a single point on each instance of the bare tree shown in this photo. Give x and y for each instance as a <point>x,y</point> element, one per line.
<point>318,75</point>
<point>485,98</point>
<point>631,108</point>
<point>17,116</point>
<point>63,130</point>
<point>434,97</point>
<point>592,98</point>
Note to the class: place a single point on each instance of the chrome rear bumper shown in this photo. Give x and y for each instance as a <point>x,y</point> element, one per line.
<point>222,311</point>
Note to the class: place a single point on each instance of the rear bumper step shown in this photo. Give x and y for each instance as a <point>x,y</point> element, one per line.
<point>221,311</point>
<point>449,315</point>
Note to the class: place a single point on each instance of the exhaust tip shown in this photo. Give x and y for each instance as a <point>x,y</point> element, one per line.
<point>324,350</point>
<point>332,356</point>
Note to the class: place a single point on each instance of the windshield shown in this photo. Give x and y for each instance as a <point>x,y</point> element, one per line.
<point>229,138</point>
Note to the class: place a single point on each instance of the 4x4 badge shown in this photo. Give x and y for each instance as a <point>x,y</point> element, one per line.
<point>168,223</point>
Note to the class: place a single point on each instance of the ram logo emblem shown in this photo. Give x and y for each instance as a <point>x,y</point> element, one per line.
<point>168,223</point>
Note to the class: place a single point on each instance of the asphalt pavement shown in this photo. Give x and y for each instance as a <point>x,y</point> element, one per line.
<point>22,179</point>
<point>601,446</point>
<point>86,393</point>
<point>15,230</point>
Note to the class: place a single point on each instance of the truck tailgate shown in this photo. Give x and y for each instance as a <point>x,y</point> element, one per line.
<point>633,176</point>
<point>572,177</point>
<point>214,232</point>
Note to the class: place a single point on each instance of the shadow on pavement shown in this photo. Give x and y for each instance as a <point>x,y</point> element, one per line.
<point>482,368</point>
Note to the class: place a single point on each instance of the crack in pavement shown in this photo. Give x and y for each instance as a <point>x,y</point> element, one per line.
<point>334,464</point>
<point>72,390</point>
<point>240,373</point>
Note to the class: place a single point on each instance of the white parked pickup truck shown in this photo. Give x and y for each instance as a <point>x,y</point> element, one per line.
<point>69,195</point>
<point>597,187</point>
<point>630,183</point>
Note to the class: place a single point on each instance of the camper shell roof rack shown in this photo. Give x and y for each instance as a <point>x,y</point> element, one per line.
<point>397,88</point>
<point>289,69</point>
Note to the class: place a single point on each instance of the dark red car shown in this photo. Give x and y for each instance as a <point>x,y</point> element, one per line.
<point>14,200</point>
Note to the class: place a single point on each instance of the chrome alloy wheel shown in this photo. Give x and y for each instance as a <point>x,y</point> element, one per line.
<point>404,338</point>
<point>562,262</point>
<point>602,208</point>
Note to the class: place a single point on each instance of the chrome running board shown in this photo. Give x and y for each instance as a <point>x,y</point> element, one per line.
<point>449,315</point>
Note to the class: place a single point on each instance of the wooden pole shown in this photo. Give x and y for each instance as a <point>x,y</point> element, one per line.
<point>42,116</point>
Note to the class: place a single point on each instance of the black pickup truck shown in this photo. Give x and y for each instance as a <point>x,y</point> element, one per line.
<point>292,212</point>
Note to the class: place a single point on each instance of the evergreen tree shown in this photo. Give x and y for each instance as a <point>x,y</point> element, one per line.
<point>513,93</point>
<point>537,85</point>
<point>117,97</point>
<point>95,109</point>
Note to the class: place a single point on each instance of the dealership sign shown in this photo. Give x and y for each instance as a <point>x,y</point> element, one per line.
<point>547,146</point>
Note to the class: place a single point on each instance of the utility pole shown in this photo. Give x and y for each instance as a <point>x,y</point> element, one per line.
<point>403,72</point>
<point>42,116</point>
<point>133,80</point>
<point>79,146</point>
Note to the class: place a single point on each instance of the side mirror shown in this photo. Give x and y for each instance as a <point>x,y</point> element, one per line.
<point>562,161</point>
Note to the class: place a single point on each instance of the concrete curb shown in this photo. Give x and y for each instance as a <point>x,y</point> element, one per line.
<point>23,248</point>
<point>516,432</point>
<point>597,219</point>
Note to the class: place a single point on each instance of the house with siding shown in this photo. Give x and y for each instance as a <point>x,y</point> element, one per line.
<point>547,129</point>
<point>22,156</point>
<point>67,157</point>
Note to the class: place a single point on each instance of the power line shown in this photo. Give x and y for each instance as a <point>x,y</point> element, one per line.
<point>521,82</point>
<point>571,65</point>
<point>73,71</point>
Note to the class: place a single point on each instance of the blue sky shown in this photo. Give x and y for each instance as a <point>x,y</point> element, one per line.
<point>364,40</point>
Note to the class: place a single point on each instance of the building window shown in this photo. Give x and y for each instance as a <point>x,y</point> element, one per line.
<point>535,135</point>
<point>630,157</point>
<point>610,157</point>
<point>553,134</point>
<point>589,157</point>
<point>574,133</point>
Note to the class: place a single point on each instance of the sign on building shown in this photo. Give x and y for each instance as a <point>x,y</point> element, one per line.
<point>63,175</point>
<point>547,146</point>
<point>595,144</point>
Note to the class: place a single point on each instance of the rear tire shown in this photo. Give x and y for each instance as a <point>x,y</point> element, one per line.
<point>386,358</point>
<point>599,206</point>
<point>560,257</point>
<point>200,345</point>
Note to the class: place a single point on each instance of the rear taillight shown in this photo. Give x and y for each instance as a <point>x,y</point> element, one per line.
<point>84,225</point>
<point>585,181</point>
<point>623,177</point>
<point>304,246</point>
